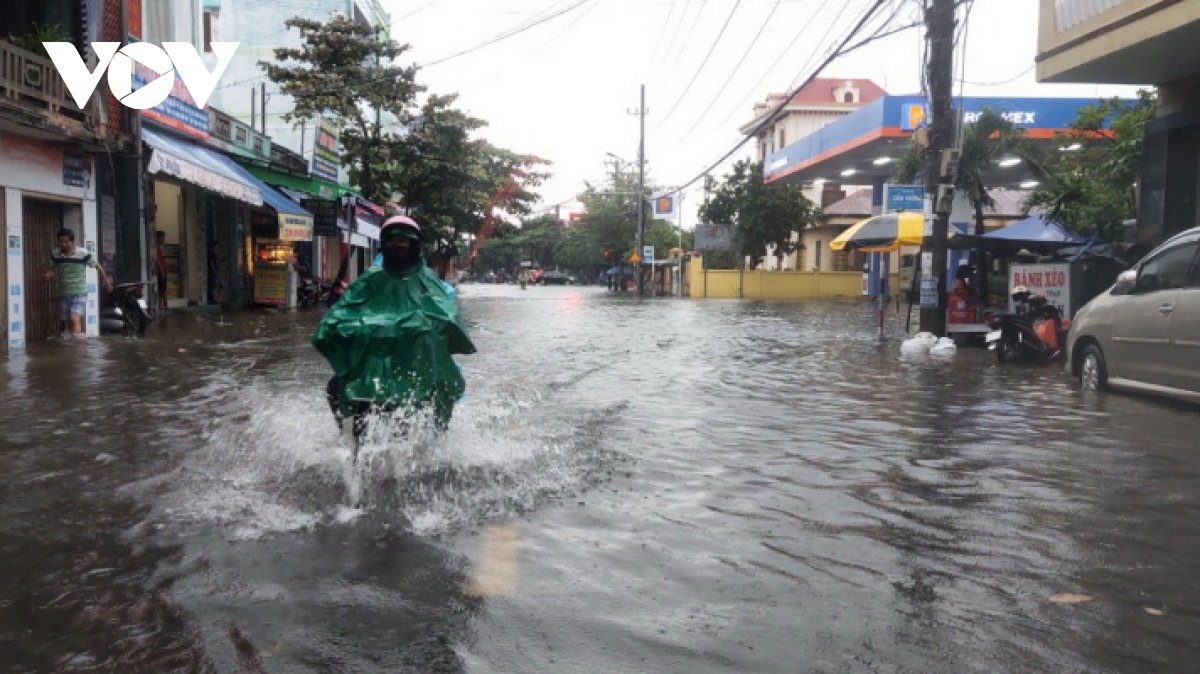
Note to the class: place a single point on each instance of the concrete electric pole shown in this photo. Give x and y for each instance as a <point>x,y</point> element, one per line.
<point>942,161</point>
<point>641,205</point>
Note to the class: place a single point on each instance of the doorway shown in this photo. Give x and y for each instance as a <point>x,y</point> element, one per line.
<point>42,220</point>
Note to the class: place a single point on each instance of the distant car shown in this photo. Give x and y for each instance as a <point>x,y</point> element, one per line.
<point>1143,334</point>
<point>555,278</point>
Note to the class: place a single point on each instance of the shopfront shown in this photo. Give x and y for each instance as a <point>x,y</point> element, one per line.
<point>189,193</point>
<point>42,190</point>
<point>278,233</point>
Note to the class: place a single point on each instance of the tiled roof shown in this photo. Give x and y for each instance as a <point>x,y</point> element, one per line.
<point>858,203</point>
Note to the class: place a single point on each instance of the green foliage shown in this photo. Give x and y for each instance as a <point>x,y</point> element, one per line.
<point>450,181</point>
<point>31,40</point>
<point>345,71</point>
<point>1093,189</point>
<point>991,138</point>
<point>765,215</point>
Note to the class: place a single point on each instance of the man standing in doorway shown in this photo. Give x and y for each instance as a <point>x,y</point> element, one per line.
<point>70,266</point>
<point>160,268</point>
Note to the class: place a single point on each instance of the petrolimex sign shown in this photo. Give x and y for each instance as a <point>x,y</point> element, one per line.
<point>173,59</point>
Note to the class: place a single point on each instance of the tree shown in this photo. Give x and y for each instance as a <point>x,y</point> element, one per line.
<point>454,184</point>
<point>346,72</point>
<point>1093,188</point>
<point>766,216</point>
<point>990,139</point>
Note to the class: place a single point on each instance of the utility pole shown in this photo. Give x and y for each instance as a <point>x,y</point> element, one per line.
<point>641,205</point>
<point>253,108</point>
<point>942,159</point>
<point>263,100</point>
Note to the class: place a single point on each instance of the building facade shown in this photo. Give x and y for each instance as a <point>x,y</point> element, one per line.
<point>61,165</point>
<point>1141,42</point>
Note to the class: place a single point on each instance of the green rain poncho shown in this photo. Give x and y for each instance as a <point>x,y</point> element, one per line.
<point>390,339</point>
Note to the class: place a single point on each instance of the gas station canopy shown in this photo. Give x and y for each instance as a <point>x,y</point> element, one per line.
<point>862,147</point>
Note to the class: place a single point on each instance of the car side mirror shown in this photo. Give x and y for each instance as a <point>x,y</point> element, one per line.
<point>1149,282</point>
<point>1125,282</point>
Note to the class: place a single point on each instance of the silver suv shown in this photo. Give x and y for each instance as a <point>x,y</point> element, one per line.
<point>1144,333</point>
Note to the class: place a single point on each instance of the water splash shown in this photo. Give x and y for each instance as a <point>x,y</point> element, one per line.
<point>270,459</point>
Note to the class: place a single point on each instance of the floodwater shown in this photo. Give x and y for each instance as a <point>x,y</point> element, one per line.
<point>630,486</point>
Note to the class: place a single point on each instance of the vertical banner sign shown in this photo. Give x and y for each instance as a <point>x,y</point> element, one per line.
<point>108,232</point>
<point>15,295</point>
<point>133,19</point>
<point>929,293</point>
<point>326,158</point>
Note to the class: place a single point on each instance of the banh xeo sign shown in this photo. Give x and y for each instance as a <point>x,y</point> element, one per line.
<point>173,59</point>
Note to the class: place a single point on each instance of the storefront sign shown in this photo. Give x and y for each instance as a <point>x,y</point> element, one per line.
<point>270,285</point>
<point>76,171</point>
<point>1051,280</point>
<point>326,157</point>
<point>714,237</point>
<point>325,215</point>
<point>295,227</point>
<point>179,110</point>
<point>31,153</point>
<point>905,198</point>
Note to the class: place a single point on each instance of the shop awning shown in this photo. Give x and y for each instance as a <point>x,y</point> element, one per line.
<point>295,223</point>
<point>367,228</point>
<point>199,166</point>
<point>316,187</point>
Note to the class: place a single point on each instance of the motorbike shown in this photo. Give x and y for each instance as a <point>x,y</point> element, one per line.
<point>1036,333</point>
<point>124,310</point>
<point>310,292</point>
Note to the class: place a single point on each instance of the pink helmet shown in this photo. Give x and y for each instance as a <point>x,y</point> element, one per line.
<point>403,224</point>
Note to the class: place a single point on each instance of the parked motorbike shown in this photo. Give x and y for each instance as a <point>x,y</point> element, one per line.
<point>310,292</point>
<point>124,310</point>
<point>1035,334</point>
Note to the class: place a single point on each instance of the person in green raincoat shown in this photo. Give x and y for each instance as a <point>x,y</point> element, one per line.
<point>392,336</point>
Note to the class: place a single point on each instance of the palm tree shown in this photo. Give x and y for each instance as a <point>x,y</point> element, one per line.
<point>985,143</point>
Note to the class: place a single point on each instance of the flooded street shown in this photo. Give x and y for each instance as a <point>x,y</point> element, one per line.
<point>630,486</point>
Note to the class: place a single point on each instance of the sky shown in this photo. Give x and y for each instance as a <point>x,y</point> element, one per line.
<point>567,88</point>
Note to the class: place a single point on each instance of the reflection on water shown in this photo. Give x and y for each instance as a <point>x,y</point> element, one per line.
<point>629,486</point>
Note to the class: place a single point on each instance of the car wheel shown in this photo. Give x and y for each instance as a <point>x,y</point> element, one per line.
<point>1093,372</point>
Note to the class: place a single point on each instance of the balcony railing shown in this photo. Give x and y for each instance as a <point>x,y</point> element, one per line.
<point>31,83</point>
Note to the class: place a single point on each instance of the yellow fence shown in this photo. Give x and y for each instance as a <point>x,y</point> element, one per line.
<point>774,285</point>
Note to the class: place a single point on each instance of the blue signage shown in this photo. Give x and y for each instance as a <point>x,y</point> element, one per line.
<point>905,198</point>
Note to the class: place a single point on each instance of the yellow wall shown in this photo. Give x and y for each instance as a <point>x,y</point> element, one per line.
<point>775,285</point>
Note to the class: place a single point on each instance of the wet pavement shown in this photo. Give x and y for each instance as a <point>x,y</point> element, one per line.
<point>630,486</point>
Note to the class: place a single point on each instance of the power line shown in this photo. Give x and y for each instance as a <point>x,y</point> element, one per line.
<point>767,72</point>
<point>770,118</point>
<point>703,63</point>
<point>708,108</point>
<point>666,24</point>
<point>699,13</point>
<point>508,34</point>
<point>420,9</point>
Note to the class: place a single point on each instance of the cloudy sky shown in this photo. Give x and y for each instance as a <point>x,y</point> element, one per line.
<point>559,78</point>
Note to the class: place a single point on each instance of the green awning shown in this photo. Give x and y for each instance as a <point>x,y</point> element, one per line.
<point>314,186</point>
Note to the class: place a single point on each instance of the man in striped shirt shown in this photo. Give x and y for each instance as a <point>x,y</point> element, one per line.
<point>70,265</point>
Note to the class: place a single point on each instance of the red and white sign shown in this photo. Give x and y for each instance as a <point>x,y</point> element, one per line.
<point>1051,280</point>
